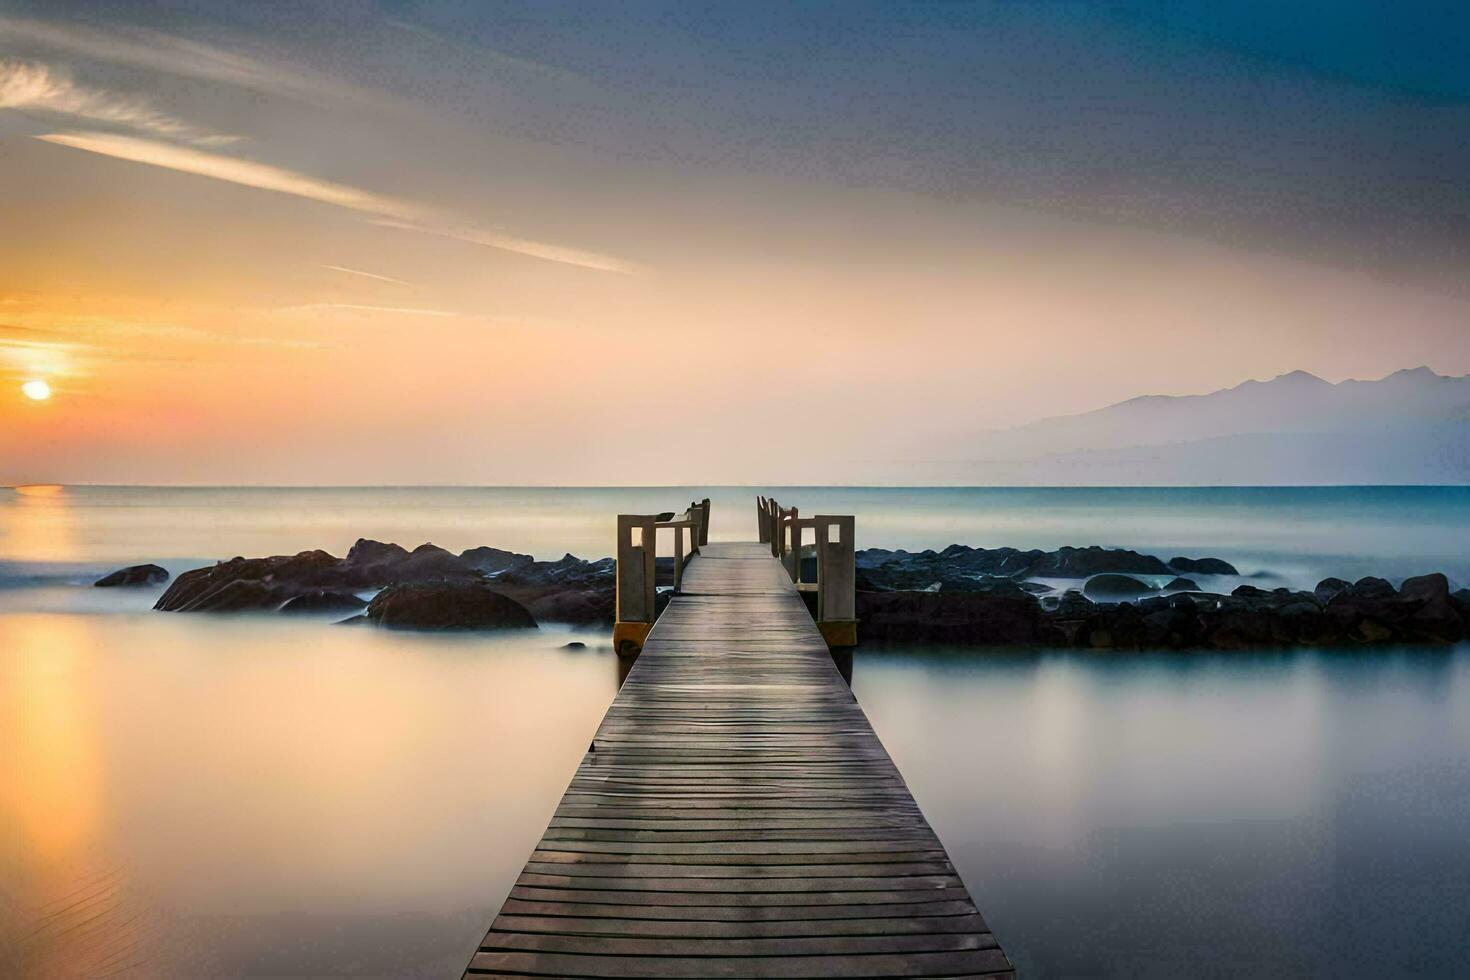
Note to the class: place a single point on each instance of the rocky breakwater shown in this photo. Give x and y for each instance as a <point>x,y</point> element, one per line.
<point>984,597</point>
<point>447,589</point>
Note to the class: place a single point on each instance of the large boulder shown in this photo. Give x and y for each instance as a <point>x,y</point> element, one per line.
<point>133,575</point>
<point>1329,587</point>
<point>447,606</point>
<point>1110,587</point>
<point>1182,585</point>
<point>270,581</point>
<point>1202,566</point>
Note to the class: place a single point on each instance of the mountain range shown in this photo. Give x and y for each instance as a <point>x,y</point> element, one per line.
<point>1411,427</point>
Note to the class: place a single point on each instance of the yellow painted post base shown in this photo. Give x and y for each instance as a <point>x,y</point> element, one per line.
<point>839,633</point>
<point>628,638</point>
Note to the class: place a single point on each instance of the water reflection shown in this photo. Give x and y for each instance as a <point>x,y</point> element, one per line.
<point>192,796</point>
<point>1195,815</point>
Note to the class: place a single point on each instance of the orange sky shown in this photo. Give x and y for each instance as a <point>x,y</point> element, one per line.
<point>233,265</point>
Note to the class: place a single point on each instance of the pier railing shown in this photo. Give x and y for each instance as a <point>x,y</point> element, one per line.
<point>637,568</point>
<point>783,528</point>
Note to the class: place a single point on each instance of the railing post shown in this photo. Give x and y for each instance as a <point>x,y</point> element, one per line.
<point>636,591</point>
<point>703,524</point>
<point>790,539</point>
<point>762,519</point>
<point>679,555</point>
<point>836,581</point>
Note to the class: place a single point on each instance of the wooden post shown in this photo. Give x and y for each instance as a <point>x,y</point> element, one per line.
<point>792,548</point>
<point>762,519</point>
<point>703,524</point>
<point>679,555</point>
<point>836,581</point>
<point>636,591</point>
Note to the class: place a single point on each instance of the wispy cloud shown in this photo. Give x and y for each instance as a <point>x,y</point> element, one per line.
<point>541,250</point>
<point>232,169</point>
<point>186,58</point>
<point>389,211</point>
<point>34,87</point>
<point>367,275</point>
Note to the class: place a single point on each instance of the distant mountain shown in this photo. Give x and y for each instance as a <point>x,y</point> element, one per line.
<point>1412,426</point>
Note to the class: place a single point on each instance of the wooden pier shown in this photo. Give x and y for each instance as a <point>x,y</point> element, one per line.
<point>735,815</point>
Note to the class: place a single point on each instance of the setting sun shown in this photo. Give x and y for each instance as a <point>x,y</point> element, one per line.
<point>36,391</point>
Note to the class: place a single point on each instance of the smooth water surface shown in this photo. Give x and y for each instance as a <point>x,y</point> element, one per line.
<point>1292,814</point>
<point>185,796</point>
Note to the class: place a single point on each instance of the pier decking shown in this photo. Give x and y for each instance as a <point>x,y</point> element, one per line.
<point>736,816</point>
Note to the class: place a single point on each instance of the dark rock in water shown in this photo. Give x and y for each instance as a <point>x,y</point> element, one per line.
<point>1426,587</point>
<point>1370,587</point>
<point>133,575</point>
<point>970,618</point>
<point>367,553</point>
<point>239,595</point>
<point>1182,585</point>
<point>271,580</point>
<point>1329,587</point>
<point>574,645</point>
<point>1074,605</point>
<point>1036,588</point>
<point>1110,586</point>
<point>494,560</point>
<point>577,607</point>
<point>1368,612</point>
<point>957,567</point>
<point>1084,562</point>
<point>1202,566</point>
<point>323,601</point>
<point>447,606</point>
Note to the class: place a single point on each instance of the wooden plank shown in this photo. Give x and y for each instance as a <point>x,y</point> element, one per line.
<point>736,816</point>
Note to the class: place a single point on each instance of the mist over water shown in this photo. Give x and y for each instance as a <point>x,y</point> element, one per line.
<point>1298,533</point>
<point>185,795</point>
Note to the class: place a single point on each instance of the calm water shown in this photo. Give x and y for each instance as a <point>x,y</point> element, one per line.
<point>183,796</point>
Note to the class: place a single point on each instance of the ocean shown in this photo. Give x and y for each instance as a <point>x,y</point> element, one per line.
<point>189,795</point>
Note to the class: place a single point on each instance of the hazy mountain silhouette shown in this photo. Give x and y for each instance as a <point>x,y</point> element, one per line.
<point>1412,426</point>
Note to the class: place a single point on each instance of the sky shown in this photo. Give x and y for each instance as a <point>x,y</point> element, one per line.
<point>653,243</point>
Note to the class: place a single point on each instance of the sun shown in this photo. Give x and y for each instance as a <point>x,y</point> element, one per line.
<point>36,391</point>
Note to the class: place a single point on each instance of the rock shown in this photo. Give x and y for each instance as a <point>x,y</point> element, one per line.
<point>1084,562</point>
<point>962,618</point>
<point>493,560</point>
<point>901,570</point>
<point>1426,587</point>
<point>1329,587</point>
<point>278,579</point>
<point>575,607</point>
<point>1202,566</point>
<point>133,575</point>
<point>1074,605</point>
<point>1112,587</point>
<point>1182,585</point>
<point>574,645</point>
<point>447,606</point>
<point>238,595</point>
<point>1370,587</point>
<point>323,601</point>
